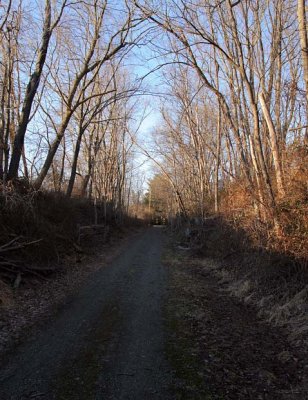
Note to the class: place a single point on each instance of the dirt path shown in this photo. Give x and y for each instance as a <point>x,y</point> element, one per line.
<point>141,330</point>
<point>106,343</point>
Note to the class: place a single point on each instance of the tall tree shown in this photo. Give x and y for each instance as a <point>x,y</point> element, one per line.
<point>32,88</point>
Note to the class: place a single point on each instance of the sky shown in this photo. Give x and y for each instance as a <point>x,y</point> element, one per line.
<point>144,65</point>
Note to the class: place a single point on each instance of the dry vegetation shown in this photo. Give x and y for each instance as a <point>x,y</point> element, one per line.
<point>292,210</point>
<point>231,141</point>
<point>42,232</point>
<point>217,345</point>
<point>271,281</point>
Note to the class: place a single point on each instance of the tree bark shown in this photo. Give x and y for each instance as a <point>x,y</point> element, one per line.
<point>218,147</point>
<point>74,164</point>
<point>29,96</point>
<point>274,146</point>
<point>51,153</point>
<point>302,26</point>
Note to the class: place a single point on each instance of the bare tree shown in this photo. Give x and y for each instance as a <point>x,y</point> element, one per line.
<point>32,87</point>
<point>220,42</point>
<point>97,54</point>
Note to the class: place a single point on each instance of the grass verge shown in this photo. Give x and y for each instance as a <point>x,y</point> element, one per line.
<point>182,348</point>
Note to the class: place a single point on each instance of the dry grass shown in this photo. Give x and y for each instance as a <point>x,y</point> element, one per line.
<point>280,305</point>
<point>274,282</point>
<point>223,330</point>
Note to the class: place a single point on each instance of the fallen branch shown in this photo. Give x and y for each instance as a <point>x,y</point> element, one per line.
<point>6,247</point>
<point>4,263</point>
<point>11,242</point>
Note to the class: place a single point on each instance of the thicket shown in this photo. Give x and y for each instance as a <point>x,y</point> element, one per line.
<point>237,207</point>
<point>41,232</point>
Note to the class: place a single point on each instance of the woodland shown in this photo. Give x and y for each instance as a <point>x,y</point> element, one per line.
<point>229,80</point>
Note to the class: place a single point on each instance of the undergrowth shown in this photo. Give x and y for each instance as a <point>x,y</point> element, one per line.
<point>240,210</point>
<point>275,282</point>
<point>40,234</point>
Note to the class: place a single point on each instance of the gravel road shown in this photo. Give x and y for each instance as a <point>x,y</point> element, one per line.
<point>107,342</point>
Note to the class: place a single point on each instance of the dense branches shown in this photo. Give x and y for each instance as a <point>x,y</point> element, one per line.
<point>236,122</point>
<point>66,96</point>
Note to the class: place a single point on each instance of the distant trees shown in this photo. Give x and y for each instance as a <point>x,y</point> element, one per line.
<point>160,199</point>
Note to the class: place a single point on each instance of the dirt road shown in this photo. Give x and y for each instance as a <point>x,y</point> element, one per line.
<point>139,330</point>
<point>106,343</point>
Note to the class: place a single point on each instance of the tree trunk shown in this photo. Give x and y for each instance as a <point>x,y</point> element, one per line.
<point>302,26</point>
<point>29,96</point>
<point>74,164</point>
<point>218,147</point>
<point>274,146</point>
<point>51,152</point>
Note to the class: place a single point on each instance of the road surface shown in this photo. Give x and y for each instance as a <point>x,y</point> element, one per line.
<point>105,343</point>
<point>137,332</point>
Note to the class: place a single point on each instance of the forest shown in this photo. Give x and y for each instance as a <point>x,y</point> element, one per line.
<point>229,82</point>
<point>233,131</point>
<point>117,115</point>
<point>228,85</point>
